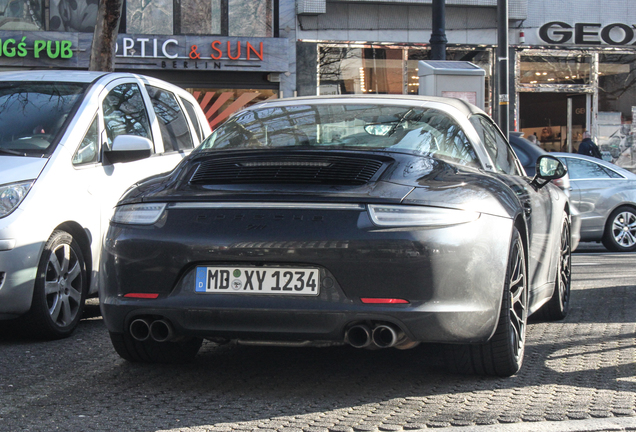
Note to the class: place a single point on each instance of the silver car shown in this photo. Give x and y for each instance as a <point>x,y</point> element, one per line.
<point>605,196</point>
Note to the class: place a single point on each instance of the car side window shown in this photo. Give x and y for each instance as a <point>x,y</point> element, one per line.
<point>88,150</point>
<point>125,113</point>
<point>192,113</point>
<point>581,169</point>
<point>175,131</point>
<point>500,152</point>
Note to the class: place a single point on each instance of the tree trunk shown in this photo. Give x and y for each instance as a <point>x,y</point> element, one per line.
<point>105,36</point>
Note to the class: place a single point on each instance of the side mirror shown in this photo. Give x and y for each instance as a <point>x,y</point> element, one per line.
<point>548,168</point>
<point>128,148</point>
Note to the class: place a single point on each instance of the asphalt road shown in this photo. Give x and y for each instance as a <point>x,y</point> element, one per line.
<point>578,374</point>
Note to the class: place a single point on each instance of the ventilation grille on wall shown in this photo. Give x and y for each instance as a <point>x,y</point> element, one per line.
<point>311,7</point>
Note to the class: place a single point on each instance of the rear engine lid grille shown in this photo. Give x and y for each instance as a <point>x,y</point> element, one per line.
<point>299,169</point>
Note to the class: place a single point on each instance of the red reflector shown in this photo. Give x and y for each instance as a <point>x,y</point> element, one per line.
<point>142,295</point>
<point>383,300</point>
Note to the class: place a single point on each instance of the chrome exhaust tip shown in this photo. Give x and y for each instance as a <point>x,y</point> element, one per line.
<point>139,329</point>
<point>385,336</point>
<point>161,331</point>
<point>358,336</point>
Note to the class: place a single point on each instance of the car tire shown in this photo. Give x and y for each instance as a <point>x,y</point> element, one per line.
<point>150,351</point>
<point>620,230</point>
<point>60,289</point>
<point>557,307</point>
<point>502,355</point>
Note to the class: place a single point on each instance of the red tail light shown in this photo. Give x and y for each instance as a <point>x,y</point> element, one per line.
<point>384,301</point>
<point>142,295</point>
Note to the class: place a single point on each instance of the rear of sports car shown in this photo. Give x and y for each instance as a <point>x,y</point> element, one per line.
<point>303,263</point>
<point>313,223</point>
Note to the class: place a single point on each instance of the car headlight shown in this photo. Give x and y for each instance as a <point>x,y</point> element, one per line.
<point>407,215</point>
<point>138,214</point>
<point>11,195</point>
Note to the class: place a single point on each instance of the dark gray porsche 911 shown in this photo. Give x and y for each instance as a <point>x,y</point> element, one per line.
<point>369,221</point>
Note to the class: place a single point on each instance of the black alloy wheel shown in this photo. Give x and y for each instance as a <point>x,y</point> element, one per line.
<point>620,230</point>
<point>557,307</point>
<point>502,355</point>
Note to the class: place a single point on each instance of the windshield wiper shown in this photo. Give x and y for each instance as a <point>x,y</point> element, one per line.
<point>11,152</point>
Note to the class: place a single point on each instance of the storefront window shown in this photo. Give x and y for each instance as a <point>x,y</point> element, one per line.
<point>252,18</point>
<point>200,17</point>
<point>364,69</point>
<point>72,15</point>
<point>219,104</point>
<point>21,14</point>
<point>243,18</point>
<point>555,69</point>
<point>616,104</point>
<point>361,70</point>
<point>149,16</point>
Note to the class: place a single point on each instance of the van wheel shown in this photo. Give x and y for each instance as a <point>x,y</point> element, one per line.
<point>60,289</point>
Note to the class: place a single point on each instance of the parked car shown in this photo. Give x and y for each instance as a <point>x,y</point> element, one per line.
<point>373,221</point>
<point>70,144</point>
<point>605,196</point>
<point>528,154</point>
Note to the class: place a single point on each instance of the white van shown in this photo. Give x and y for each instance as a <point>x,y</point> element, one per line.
<point>71,143</point>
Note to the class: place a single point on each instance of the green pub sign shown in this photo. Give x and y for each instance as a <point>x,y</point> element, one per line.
<point>41,48</point>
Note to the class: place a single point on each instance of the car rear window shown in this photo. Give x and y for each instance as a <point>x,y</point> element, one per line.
<point>394,128</point>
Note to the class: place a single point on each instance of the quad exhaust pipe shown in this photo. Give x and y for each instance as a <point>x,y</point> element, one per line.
<point>385,336</point>
<point>382,335</point>
<point>140,329</point>
<point>159,330</point>
<point>359,336</point>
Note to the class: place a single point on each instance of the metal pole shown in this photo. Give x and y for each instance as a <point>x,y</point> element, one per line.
<point>438,36</point>
<point>569,125</point>
<point>502,63</point>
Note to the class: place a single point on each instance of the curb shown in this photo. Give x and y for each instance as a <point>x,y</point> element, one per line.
<point>613,424</point>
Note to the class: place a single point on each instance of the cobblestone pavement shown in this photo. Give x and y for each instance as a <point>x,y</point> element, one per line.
<point>576,373</point>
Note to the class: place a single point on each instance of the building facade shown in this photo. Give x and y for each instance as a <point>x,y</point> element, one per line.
<point>228,53</point>
<point>572,63</point>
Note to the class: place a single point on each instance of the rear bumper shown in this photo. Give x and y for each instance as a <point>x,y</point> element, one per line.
<point>452,277</point>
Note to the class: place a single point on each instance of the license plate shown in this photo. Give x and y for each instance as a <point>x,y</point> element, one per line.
<point>257,280</point>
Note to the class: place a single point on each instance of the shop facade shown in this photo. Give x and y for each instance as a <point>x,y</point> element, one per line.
<point>572,63</point>
<point>578,74</point>
<point>227,53</point>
